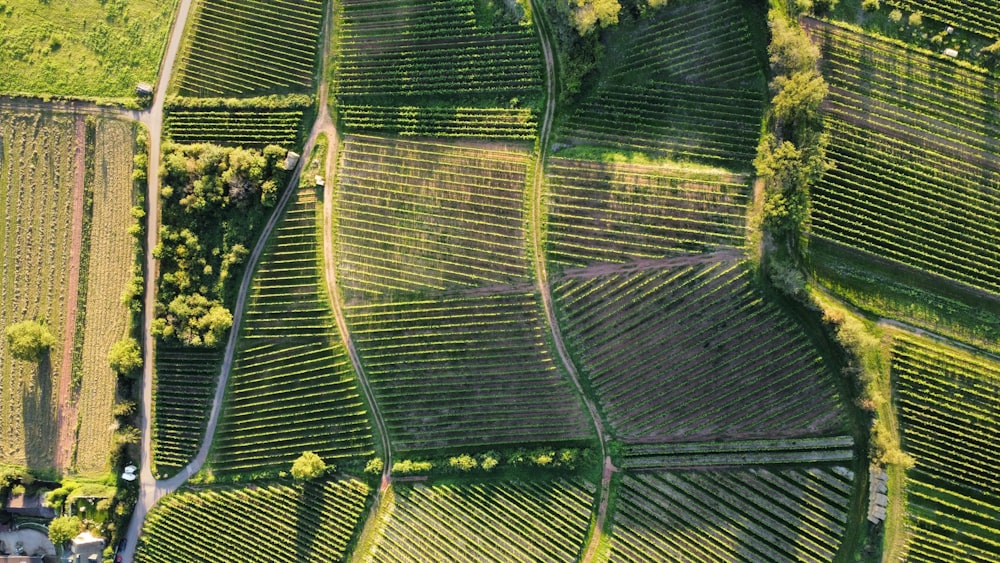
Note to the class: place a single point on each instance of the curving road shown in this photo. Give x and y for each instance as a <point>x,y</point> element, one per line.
<point>542,278</point>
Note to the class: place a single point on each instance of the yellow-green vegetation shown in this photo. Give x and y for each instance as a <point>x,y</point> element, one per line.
<point>38,159</point>
<point>92,48</point>
<point>108,273</point>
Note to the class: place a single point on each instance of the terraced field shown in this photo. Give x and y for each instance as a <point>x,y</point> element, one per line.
<point>42,155</point>
<point>292,388</point>
<point>538,521</point>
<point>111,254</point>
<point>182,395</point>
<point>249,47</point>
<point>948,402</point>
<point>616,212</point>
<point>694,353</point>
<point>417,217</point>
<point>750,515</point>
<point>686,84</point>
<point>275,523</point>
<point>915,140</point>
<point>465,372</point>
<point>431,68</point>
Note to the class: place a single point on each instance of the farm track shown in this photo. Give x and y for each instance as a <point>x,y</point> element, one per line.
<point>541,277</point>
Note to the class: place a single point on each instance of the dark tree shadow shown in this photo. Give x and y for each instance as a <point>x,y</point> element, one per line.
<point>39,416</point>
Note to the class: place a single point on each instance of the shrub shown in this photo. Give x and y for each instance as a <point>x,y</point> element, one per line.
<point>125,356</point>
<point>916,19</point>
<point>896,16</point>
<point>871,5</point>
<point>374,466</point>
<point>308,466</point>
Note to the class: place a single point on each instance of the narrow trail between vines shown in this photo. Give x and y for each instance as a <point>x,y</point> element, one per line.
<point>542,279</point>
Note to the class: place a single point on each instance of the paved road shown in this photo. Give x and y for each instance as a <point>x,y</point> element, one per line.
<point>542,278</point>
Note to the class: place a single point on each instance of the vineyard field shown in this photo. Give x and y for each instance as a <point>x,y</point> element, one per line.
<point>739,452</point>
<point>41,162</point>
<point>275,523</point>
<point>537,521</point>
<point>687,84</point>
<point>417,217</point>
<point>948,402</point>
<point>249,47</point>
<point>432,68</point>
<point>694,353</point>
<point>977,17</point>
<point>605,212</point>
<point>111,255</point>
<point>914,141</point>
<point>465,372</point>
<point>246,127</point>
<point>747,515</point>
<point>184,385</point>
<point>292,388</point>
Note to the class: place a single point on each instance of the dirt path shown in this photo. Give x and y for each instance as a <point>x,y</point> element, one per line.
<point>67,410</point>
<point>541,275</point>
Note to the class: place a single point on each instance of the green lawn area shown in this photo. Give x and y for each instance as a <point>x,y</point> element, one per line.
<point>87,48</point>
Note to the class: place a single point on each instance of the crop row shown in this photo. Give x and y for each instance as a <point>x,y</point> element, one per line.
<point>673,455</point>
<point>260,524</point>
<point>948,400</point>
<point>245,47</point>
<point>536,521</point>
<point>465,371</point>
<point>293,388</point>
<point>409,48</point>
<point>757,515</point>
<point>39,156</point>
<point>694,353</point>
<point>182,394</point>
<point>111,251</point>
<point>410,121</point>
<point>250,128</point>
<point>616,212</point>
<point>979,17</point>
<point>911,204</point>
<point>417,217</point>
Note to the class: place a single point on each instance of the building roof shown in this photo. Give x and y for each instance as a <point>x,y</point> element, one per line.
<point>29,505</point>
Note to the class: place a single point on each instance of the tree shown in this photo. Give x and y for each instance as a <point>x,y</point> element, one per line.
<point>587,14</point>
<point>790,49</point>
<point>308,466</point>
<point>374,466</point>
<point>64,528</point>
<point>29,340</point>
<point>799,97</point>
<point>125,356</point>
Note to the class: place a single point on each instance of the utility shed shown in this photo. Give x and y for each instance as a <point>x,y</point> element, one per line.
<point>951,53</point>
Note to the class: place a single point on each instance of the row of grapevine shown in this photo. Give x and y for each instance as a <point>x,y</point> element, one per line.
<point>183,387</point>
<point>532,521</point>
<point>755,515</point>
<point>292,388</point>
<point>40,155</point>
<point>465,372</point>
<point>688,84</point>
<point>250,127</point>
<point>948,401</point>
<point>249,47</point>
<point>673,455</point>
<point>469,80</point>
<point>111,252</point>
<point>692,353</point>
<point>613,212</point>
<point>975,16</point>
<point>418,216</point>
<point>260,524</point>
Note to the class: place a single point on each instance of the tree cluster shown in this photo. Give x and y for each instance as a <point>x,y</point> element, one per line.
<point>791,156</point>
<point>214,201</point>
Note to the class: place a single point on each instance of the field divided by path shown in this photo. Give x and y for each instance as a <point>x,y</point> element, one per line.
<point>112,252</point>
<point>948,402</point>
<point>914,139</point>
<point>292,388</point>
<point>693,353</point>
<point>616,212</point>
<point>276,523</point>
<point>417,217</point>
<point>249,47</point>
<point>37,167</point>
<point>530,521</point>
<point>746,515</point>
<point>412,67</point>
<point>465,372</point>
<point>687,84</point>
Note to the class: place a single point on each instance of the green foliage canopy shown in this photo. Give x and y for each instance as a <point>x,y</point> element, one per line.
<point>29,340</point>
